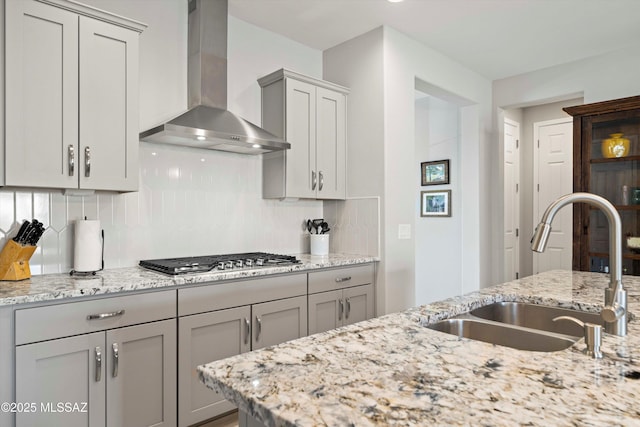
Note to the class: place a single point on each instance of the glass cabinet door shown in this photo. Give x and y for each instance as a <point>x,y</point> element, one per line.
<point>612,166</point>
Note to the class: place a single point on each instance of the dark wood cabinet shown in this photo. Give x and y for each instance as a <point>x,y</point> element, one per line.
<point>617,179</point>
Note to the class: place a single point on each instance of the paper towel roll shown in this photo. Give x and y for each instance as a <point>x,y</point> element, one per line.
<point>87,253</point>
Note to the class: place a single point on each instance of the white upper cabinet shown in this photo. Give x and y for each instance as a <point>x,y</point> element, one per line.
<point>71,97</point>
<point>311,115</point>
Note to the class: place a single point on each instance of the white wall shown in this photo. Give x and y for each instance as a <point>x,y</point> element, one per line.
<point>358,65</point>
<point>405,61</point>
<point>191,202</point>
<point>437,137</point>
<point>381,68</point>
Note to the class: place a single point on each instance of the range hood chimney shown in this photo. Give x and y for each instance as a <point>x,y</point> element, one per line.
<point>208,124</point>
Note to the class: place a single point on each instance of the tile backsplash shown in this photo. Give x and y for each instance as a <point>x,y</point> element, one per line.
<point>355,225</point>
<point>190,202</point>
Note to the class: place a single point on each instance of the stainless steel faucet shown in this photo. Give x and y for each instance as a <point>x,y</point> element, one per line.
<point>614,312</point>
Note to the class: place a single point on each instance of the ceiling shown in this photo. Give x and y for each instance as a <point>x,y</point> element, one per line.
<point>496,38</point>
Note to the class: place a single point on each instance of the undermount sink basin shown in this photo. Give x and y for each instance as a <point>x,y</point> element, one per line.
<point>519,325</point>
<point>502,334</point>
<point>537,317</point>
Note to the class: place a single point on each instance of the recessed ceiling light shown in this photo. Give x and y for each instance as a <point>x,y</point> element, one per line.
<point>394,1</point>
<point>256,145</point>
<point>200,138</point>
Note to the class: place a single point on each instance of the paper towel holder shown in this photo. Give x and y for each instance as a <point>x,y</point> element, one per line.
<point>91,273</point>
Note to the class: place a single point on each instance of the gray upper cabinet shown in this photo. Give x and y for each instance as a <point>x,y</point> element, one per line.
<point>311,115</point>
<point>71,97</point>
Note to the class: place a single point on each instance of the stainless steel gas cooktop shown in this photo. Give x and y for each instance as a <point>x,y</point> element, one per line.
<point>200,264</point>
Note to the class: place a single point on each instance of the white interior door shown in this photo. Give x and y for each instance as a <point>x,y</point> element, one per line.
<point>511,199</point>
<point>553,177</point>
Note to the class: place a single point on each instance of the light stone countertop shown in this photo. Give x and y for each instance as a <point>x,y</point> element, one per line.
<point>392,370</point>
<point>50,287</point>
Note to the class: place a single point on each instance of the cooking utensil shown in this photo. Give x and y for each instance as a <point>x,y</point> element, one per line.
<point>316,224</point>
<point>309,225</point>
<point>22,232</point>
<point>324,228</point>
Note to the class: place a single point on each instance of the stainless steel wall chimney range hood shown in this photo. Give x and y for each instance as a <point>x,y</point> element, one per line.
<point>208,124</point>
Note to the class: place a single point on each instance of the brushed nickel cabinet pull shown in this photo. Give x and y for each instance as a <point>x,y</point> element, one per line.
<point>346,316</point>
<point>314,181</point>
<point>98,353</point>
<point>105,315</point>
<point>247,330</point>
<point>87,162</point>
<point>321,181</point>
<point>116,359</point>
<point>259,328</point>
<point>340,309</point>
<point>72,160</point>
<point>343,279</point>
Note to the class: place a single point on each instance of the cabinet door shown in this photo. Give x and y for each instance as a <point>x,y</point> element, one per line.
<point>141,375</point>
<point>41,95</point>
<point>358,303</point>
<point>108,106</point>
<point>331,144</point>
<point>275,322</point>
<point>325,311</point>
<point>59,371</point>
<point>301,174</point>
<point>204,338</point>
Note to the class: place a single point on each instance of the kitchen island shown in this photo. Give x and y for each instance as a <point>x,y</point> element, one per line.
<point>392,370</point>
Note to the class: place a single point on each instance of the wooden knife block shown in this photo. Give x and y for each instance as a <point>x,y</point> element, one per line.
<point>14,261</point>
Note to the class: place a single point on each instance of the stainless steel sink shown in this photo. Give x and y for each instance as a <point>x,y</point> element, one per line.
<point>503,334</point>
<point>537,317</point>
<point>519,325</point>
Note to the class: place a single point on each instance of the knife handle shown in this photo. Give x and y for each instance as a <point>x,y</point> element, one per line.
<point>72,160</point>
<point>87,162</point>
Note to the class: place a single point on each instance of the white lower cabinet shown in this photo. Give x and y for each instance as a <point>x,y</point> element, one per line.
<point>120,375</point>
<point>214,335</point>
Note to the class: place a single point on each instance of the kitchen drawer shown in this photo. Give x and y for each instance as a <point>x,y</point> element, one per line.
<point>338,278</point>
<point>234,294</point>
<point>62,320</point>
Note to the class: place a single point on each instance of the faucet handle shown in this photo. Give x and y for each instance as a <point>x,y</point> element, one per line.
<point>592,335</point>
<point>611,313</point>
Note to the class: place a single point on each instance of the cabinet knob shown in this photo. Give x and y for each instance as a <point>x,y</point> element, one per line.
<point>105,315</point>
<point>72,160</point>
<point>116,359</point>
<point>87,162</point>
<point>258,328</point>
<point>247,330</point>
<point>98,353</point>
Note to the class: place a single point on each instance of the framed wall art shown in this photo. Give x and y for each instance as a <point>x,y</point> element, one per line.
<point>435,173</point>
<point>435,203</point>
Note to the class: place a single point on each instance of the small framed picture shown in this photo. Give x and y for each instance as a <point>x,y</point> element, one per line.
<point>435,203</point>
<point>435,173</point>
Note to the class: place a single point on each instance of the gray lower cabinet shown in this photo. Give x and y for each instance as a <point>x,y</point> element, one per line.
<point>221,332</point>
<point>330,310</point>
<point>104,362</point>
<point>340,296</point>
<point>203,338</point>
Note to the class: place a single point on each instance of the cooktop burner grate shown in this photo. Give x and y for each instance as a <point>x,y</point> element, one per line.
<point>201,264</point>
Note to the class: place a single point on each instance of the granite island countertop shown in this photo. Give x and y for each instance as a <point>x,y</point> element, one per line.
<point>392,370</point>
<point>51,287</point>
